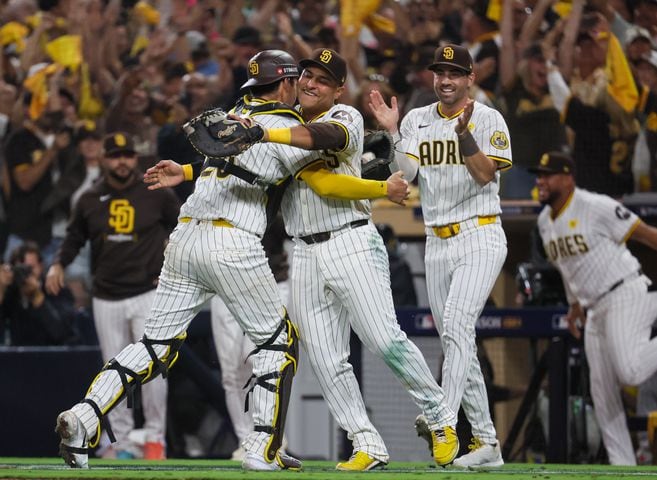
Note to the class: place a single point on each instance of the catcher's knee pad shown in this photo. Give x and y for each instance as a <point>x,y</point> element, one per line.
<point>282,386</point>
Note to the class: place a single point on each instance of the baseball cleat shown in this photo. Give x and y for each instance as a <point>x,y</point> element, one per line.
<point>359,462</point>
<point>253,461</point>
<point>443,443</point>
<point>73,446</point>
<point>481,455</point>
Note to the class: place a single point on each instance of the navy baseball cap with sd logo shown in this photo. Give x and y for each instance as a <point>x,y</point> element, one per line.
<point>452,56</point>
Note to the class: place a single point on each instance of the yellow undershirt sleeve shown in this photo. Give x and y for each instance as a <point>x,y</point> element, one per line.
<point>343,187</point>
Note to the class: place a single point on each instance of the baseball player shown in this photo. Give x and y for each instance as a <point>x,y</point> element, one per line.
<point>584,236</point>
<point>216,248</point>
<point>128,227</point>
<point>457,147</point>
<point>341,276</point>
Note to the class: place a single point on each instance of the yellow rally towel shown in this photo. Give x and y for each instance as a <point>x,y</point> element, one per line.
<point>37,85</point>
<point>90,107</point>
<point>354,13</point>
<point>13,32</point>
<point>494,10</point>
<point>621,85</point>
<point>66,51</point>
<point>147,13</point>
<point>140,43</point>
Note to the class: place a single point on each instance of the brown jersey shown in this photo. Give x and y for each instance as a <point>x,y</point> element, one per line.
<point>128,230</point>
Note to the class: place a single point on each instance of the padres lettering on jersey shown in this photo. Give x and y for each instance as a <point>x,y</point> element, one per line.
<point>567,246</point>
<point>440,152</point>
<point>448,192</point>
<point>586,242</point>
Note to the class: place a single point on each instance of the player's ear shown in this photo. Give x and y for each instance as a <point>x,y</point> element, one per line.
<point>338,92</point>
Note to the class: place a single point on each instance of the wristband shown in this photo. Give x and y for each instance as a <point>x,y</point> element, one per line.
<point>279,135</point>
<point>467,143</point>
<point>188,172</point>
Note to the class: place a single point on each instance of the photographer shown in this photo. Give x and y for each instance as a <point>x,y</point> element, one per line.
<point>32,316</point>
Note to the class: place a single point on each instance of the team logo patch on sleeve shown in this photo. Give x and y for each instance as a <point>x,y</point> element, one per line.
<point>343,116</point>
<point>622,213</point>
<point>499,140</point>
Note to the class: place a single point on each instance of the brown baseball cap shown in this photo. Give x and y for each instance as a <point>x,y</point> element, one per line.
<point>554,162</point>
<point>329,60</point>
<point>118,142</point>
<point>452,56</point>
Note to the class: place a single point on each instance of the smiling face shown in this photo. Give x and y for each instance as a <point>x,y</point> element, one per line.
<point>553,187</point>
<point>317,91</point>
<point>451,85</point>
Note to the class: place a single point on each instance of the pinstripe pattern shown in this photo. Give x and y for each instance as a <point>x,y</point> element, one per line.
<point>242,204</point>
<point>586,242</point>
<point>462,269</point>
<point>619,353</point>
<point>460,276</point>
<point>342,283</point>
<point>447,190</point>
<point>304,211</point>
<point>593,218</point>
<point>202,260</point>
<point>114,335</point>
<point>233,348</point>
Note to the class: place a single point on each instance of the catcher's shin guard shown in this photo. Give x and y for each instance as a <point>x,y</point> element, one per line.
<point>282,386</point>
<point>132,381</point>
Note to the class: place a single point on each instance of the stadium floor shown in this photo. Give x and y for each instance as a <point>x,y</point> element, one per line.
<point>174,469</point>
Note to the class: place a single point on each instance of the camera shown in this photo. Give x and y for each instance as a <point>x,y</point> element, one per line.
<point>21,272</point>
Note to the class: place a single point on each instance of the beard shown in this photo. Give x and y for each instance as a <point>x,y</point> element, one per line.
<point>122,178</point>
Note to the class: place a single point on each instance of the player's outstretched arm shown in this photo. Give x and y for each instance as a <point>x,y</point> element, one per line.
<point>325,183</point>
<point>166,173</point>
<point>388,118</point>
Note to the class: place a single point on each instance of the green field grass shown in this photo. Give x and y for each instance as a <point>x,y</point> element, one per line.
<point>174,469</point>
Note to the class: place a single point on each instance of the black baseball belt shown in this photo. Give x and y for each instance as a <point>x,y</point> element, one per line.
<point>324,236</point>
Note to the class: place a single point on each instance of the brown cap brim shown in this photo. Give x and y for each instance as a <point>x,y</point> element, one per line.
<point>434,66</point>
<point>313,63</point>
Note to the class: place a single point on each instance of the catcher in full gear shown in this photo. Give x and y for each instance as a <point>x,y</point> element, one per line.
<point>271,88</point>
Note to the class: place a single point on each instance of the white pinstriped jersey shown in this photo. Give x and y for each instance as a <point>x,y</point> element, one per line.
<point>586,242</point>
<point>242,204</point>
<point>304,211</point>
<point>448,192</point>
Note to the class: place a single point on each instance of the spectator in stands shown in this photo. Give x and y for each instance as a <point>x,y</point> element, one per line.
<point>480,32</point>
<point>33,316</point>
<point>599,104</point>
<point>31,153</point>
<point>534,122</point>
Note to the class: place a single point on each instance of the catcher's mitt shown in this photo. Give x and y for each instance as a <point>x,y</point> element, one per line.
<point>378,152</point>
<point>215,135</point>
